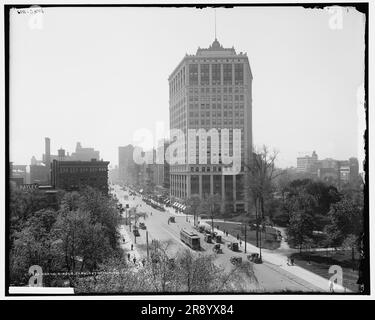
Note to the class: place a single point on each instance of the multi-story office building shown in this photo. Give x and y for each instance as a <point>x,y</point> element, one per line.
<point>308,164</point>
<point>128,169</point>
<point>211,89</point>
<point>75,175</point>
<point>40,174</point>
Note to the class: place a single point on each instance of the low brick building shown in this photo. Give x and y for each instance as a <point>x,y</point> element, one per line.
<point>75,175</point>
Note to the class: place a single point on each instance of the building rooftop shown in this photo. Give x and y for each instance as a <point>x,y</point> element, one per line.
<point>216,49</point>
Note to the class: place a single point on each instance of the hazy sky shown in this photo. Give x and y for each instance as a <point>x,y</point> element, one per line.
<point>96,75</point>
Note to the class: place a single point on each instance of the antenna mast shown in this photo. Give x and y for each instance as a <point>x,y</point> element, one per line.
<point>215,23</point>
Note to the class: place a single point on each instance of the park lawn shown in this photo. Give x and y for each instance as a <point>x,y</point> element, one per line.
<point>238,229</point>
<point>321,261</point>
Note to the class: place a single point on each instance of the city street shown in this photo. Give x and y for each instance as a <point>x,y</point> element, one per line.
<point>270,275</point>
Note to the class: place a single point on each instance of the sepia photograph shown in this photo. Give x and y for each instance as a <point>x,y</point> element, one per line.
<point>190,149</point>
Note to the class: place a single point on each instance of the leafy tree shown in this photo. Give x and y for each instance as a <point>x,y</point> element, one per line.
<point>82,244</point>
<point>33,245</point>
<point>24,203</point>
<point>301,218</point>
<point>103,210</point>
<point>346,221</point>
<point>70,201</point>
<point>321,194</point>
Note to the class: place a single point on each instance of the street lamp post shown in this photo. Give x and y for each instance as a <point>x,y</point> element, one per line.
<point>148,255</point>
<point>260,242</point>
<point>212,217</point>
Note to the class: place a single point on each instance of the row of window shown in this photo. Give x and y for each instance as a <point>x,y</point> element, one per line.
<point>218,113</point>
<point>214,122</point>
<point>81,170</point>
<point>214,98</point>
<point>231,89</point>
<point>226,74</point>
<point>207,169</point>
<point>208,106</point>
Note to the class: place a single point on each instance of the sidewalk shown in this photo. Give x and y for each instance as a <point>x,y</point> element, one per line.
<point>126,246</point>
<point>280,261</point>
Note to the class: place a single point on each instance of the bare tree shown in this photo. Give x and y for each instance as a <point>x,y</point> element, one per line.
<point>193,204</point>
<point>211,205</point>
<point>261,173</point>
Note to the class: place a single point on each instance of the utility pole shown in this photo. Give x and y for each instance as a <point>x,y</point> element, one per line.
<point>260,244</point>
<point>245,236</point>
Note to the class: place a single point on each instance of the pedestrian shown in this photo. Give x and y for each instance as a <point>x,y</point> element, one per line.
<point>238,236</point>
<point>143,262</point>
<point>240,243</point>
<point>131,247</point>
<point>129,256</point>
<point>288,261</point>
<point>292,261</point>
<point>331,286</point>
<point>134,260</point>
<point>123,239</point>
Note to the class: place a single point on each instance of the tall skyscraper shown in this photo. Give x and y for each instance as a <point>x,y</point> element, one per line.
<point>128,169</point>
<point>212,90</point>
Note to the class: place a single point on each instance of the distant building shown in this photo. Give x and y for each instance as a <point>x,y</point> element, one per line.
<point>308,164</point>
<point>354,169</point>
<point>129,171</point>
<point>329,175</point>
<point>84,154</point>
<point>113,175</point>
<point>39,174</point>
<point>75,175</point>
<point>160,171</point>
<point>18,173</point>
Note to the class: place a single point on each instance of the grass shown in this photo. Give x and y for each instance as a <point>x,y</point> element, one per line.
<point>321,261</point>
<point>238,229</point>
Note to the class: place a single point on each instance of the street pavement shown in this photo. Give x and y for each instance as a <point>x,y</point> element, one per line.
<point>273,275</point>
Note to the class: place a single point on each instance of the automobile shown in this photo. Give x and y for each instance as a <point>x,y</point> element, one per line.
<point>233,246</point>
<point>172,219</point>
<point>254,257</point>
<point>201,229</point>
<point>136,232</point>
<point>217,248</point>
<point>236,260</point>
<point>207,231</point>
<point>208,238</point>
<point>142,225</point>
<point>218,239</point>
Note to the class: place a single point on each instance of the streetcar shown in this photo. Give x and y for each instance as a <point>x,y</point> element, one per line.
<point>190,238</point>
